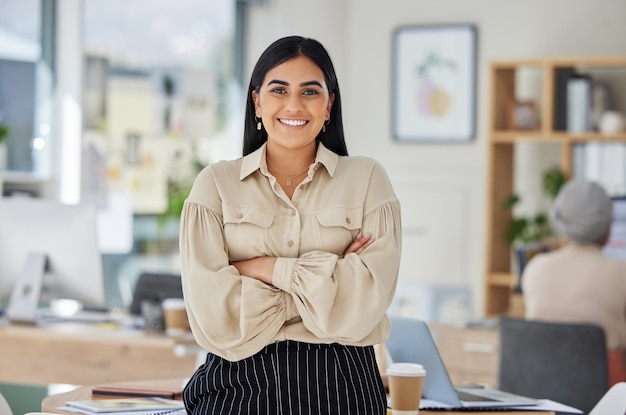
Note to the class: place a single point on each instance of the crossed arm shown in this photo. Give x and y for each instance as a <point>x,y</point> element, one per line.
<point>261,268</point>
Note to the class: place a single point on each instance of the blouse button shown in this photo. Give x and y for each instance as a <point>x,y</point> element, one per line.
<point>301,186</point>
<point>348,221</point>
<point>293,212</point>
<point>290,243</point>
<point>239,215</point>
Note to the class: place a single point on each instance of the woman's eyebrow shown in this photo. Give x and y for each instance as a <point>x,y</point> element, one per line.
<point>311,83</point>
<point>276,81</point>
<point>308,83</point>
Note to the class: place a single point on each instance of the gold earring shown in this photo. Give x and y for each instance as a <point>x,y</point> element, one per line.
<point>258,123</point>
<point>325,124</point>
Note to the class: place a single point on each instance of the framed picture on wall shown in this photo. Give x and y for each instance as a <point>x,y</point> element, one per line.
<point>434,83</point>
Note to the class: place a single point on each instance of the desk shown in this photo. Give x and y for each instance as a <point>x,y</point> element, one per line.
<point>84,354</point>
<point>50,403</point>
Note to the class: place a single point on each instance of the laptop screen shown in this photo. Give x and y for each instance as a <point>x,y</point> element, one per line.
<point>438,386</point>
<point>423,350</point>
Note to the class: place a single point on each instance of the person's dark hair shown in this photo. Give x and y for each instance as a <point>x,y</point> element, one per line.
<point>281,51</point>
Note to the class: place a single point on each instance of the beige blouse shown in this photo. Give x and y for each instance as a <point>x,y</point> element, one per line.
<point>578,284</point>
<point>236,210</point>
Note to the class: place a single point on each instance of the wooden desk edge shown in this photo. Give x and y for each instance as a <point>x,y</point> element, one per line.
<point>52,402</point>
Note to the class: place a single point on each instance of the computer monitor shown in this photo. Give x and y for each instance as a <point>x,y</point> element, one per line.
<point>616,247</point>
<point>50,247</point>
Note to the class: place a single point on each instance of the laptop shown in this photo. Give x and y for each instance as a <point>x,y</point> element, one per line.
<point>437,384</point>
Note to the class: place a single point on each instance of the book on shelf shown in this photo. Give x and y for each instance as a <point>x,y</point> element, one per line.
<point>579,104</point>
<point>129,390</point>
<point>593,161</point>
<point>603,163</point>
<point>614,177</point>
<point>578,160</point>
<point>561,76</point>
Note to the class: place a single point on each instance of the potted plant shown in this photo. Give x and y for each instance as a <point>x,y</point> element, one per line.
<point>178,188</point>
<point>5,130</point>
<point>177,193</point>
<point>529,235</point>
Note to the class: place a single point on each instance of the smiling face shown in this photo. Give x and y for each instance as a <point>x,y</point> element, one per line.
<point>293,103</point>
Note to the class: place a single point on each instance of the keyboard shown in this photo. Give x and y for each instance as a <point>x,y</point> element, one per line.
<point>468,397</point>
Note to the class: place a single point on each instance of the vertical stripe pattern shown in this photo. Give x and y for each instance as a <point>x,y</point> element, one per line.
<point>290,378</point>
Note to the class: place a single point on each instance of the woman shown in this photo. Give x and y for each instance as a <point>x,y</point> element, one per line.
<point>290,254</point>
<point>577,283</point>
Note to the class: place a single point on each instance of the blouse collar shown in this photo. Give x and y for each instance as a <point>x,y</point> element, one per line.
<point>256,161</point>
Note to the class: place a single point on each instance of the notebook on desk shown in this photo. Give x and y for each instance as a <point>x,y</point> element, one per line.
<point>438,386</point>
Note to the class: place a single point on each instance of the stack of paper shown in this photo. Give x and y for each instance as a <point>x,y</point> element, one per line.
<point>126,406</point>
<point>542,405</point>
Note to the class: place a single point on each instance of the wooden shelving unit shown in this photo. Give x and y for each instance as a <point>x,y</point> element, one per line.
<point>502,142</point>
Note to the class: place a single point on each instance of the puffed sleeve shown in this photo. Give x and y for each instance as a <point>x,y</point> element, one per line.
<point>249,313</point>
<point>345,299</point>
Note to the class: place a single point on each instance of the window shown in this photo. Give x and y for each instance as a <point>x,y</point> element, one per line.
<point>158,92</point>
<point>153,85</point>
<point>26,85</point>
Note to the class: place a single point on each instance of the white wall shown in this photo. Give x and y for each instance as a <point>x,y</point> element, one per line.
<point>442,187</point>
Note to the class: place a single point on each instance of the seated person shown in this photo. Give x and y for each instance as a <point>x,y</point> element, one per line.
<point>576,283</point>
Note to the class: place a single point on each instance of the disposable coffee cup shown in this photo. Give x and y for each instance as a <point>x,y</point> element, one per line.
<point>175,316</point>
<point>406,381</point>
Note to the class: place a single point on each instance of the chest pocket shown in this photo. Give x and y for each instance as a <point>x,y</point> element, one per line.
<point>337,228</point>
<point>241,215</point>
<point>350,219</point>
<point>246,231</point>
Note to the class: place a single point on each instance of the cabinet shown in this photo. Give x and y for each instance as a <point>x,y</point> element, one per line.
<point>81,354</point>
<point>503,140</point>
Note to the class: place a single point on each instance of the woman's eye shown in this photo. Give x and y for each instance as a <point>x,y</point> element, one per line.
<point>310,92</point>
<point>279,90</point>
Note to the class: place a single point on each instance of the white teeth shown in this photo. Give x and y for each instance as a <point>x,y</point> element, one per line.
<point>294,123</point>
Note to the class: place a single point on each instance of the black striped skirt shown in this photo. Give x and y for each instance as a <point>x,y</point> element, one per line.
<point>289,377</point>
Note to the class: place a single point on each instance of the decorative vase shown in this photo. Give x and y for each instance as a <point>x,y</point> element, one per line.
<point>611,122</point>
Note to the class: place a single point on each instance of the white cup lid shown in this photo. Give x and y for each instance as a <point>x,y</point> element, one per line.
<point>406,369</point>
<point>173,303</point>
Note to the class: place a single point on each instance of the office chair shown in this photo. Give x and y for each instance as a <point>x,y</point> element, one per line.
<point>155,287</point>
<point>564,362</point>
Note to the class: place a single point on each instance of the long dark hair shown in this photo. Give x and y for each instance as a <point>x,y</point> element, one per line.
<point>278,52</point>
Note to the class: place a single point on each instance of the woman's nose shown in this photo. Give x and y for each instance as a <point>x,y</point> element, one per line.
<point>294,103</point>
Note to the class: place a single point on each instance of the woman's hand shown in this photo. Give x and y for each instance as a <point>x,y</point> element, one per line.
<point>359,243</point>
<point>260,268</point>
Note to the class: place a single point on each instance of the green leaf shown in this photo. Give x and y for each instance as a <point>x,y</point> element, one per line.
<point>552,181</point>
<point>175,201</point>
<point>5,130</point>
<point>511,201</point>
<point>517,230</point>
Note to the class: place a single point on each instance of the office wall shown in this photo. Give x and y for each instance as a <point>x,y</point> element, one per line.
<point>442,187</point>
